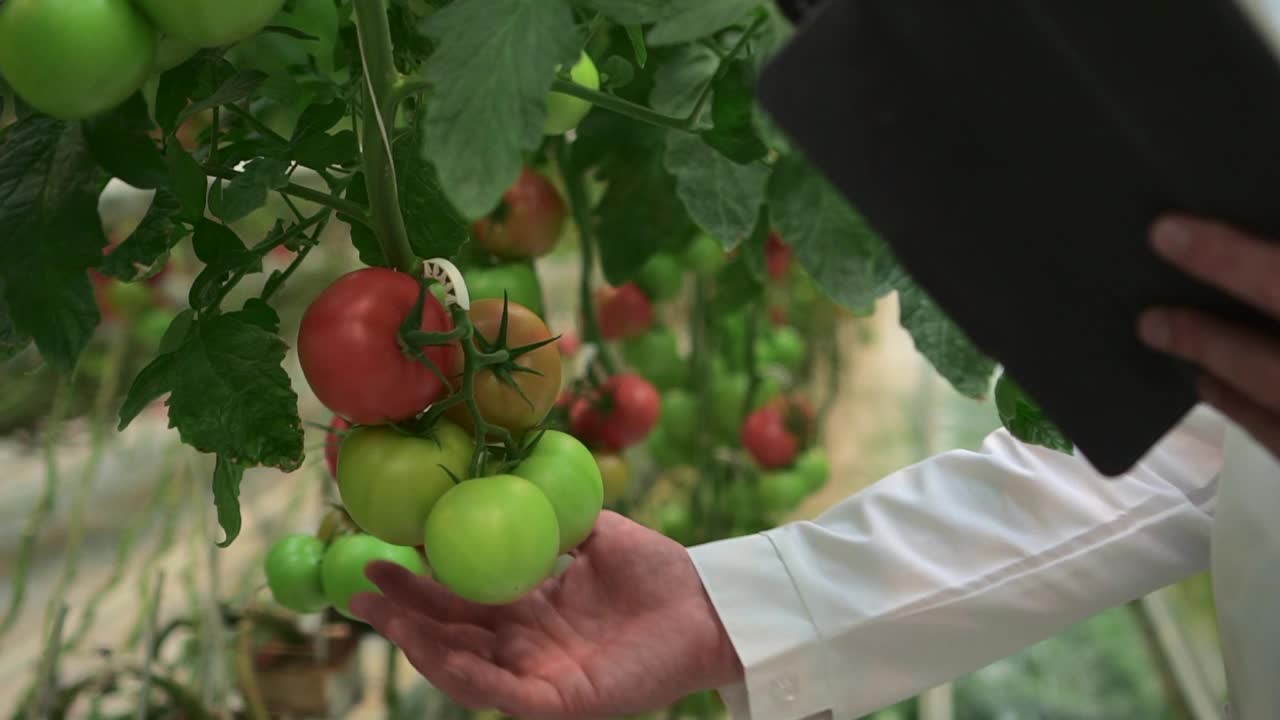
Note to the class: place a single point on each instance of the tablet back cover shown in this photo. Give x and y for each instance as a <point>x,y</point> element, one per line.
<point>1013,154</point>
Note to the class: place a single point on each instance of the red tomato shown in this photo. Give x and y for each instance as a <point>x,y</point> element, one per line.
<point>624,311</point>
<point>332,442</point>
<point>778,254</point>
<point>527,224</point>
<point>349,348</point>
<point>621,415</point>
<point>569,343</point>
<point>775,434</point>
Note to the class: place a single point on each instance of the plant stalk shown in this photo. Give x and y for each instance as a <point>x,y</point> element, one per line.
<point>381,88</point>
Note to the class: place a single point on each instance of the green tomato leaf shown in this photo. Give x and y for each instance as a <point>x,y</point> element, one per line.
<point>618,71</point>
<point>832,242</point>
<point>187,181</point>
<point>247,191</point>
<point>688,20</point>
<point>640,213</point>
<point>632,12</point>
<point>491,72</point>
<point>318,119</point>
<point>194,79</point>
<point>119,142</point>
<point>226,497</point>
<point>224,255</point>
<point>12,340</point>
<point>733,116</point>
<point>322,151</point>
<point>233,89</point>
<point>721,196</point>
<point>228,393</point>
<point>49,187</point>
<point>1024,418</point>
<point>436,228</point>
<point>942,343</point>
<point>680,81</point>
<point>636,37</point>
<point>754,249</point>
<point>146,250</point>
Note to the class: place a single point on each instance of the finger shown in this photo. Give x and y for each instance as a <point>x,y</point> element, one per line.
<point>424,595</point>
<point>379,612</point>
<point>1242,265</point>
<point>470,679</point>
<point>1247,361</point>
<point>1261,423</point>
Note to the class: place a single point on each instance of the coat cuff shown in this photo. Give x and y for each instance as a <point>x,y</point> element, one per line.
<point>786,673</point>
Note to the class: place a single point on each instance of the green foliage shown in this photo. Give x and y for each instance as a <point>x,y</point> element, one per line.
<point>1024,418</point>
<point>675,149</point>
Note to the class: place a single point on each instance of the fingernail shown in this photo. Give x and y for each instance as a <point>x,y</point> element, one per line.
<point>1172,238</point>
<point>1154,329</point>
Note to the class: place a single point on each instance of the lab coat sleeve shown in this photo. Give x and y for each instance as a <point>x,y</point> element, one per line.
<point>951,564</point>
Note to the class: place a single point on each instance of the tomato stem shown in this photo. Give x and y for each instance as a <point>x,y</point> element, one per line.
<point>356,212</point>
<point>475,360</point>
<point>581,210</point>
<point>381,80</point>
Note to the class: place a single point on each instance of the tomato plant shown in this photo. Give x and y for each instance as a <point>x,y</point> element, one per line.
<point>661,277</point>
<point>342,569</point>
<point>389,481</point>
<point>778,255</point>
<point>528,222</point>
<point>564,469</point>
<point>293,573</point>
<point>75,59</point>
<point>351,353</point>
<point>622,414</point>
<point>492,539</point>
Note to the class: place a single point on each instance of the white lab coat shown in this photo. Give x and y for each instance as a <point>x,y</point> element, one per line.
<point>965,558</point>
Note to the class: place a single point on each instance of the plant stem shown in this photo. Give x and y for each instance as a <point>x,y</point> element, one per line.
<point>380,86</point>
<point>581,209</point>
<point>256,124</point>
<point>149,656</point>
<point>725,61</point>
<point>616,104</point>
<point>346,207</point>
<point>47,676</point>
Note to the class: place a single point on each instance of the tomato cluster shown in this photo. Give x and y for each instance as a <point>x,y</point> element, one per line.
<point>73,60</point>
<point>437,439</point>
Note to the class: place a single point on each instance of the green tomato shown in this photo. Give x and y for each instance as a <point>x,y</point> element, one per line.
<point>814,467</point>
<point>389,482</point>
<point>564,112</point>
<point>705,255</point>
<point>786,347</point>
<point>567,474</point>
<point>656,356</point>
<point>676,522</point>
<point>680,414</point>
<point>493,539</point>
<point>783,491</point>
<point>661,277</point>
<point>293,573</point>
<point>210,23</point>
<point>519,281</point>
<point>729,390</point>
<point>342,570</point>
<point>664,449</point>
<point>73,59</point>
<point>731,339</point>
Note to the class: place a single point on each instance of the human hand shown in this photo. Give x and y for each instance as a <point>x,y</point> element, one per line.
<point>1241,367</point>
<point>626,629</point>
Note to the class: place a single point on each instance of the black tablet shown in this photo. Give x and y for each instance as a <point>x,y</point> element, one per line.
<point>1014,153</point>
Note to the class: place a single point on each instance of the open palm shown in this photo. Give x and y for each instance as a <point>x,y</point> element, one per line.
<point>627,628</point>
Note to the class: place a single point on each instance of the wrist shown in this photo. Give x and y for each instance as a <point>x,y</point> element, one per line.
<point>723,665</point>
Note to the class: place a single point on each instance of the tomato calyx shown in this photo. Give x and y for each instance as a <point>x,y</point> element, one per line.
<point>413,339</point>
